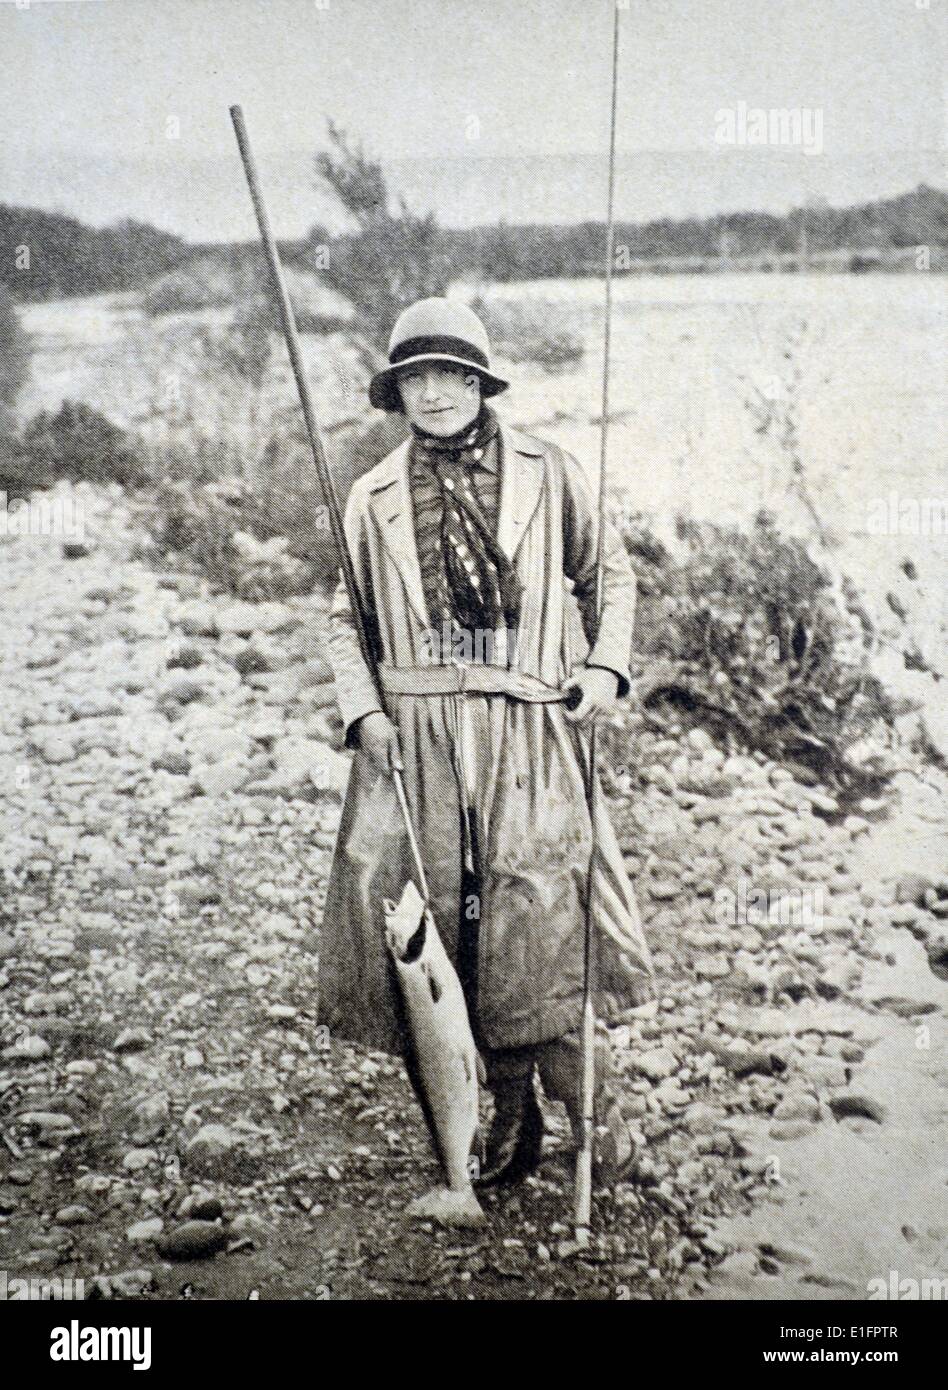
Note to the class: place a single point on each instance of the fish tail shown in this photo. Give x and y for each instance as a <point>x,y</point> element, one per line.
<point>448,1207</point>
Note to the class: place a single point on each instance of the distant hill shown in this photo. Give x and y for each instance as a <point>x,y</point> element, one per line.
<point>881,235</point>
<point>45,255</point>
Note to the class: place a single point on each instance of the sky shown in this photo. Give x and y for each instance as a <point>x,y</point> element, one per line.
<point>478,108</point>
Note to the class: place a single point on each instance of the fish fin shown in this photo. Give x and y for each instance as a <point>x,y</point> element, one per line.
<point>434,987</point>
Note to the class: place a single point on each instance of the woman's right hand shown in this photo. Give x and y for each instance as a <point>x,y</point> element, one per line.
<point>378,739</point>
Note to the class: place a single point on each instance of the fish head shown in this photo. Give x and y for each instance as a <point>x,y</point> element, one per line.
<point>405,924</point>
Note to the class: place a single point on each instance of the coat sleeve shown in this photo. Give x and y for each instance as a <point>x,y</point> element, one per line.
<point>355,689</point>
<point>610,640</point>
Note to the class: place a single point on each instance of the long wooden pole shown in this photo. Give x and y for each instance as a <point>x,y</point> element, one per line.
<point>584,1155</point>
<point>326,482</point>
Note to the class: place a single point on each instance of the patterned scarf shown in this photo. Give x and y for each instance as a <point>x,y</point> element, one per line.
<point>477,586</point>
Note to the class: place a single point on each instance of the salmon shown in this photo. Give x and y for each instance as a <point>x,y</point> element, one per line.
<point>444,1054</point>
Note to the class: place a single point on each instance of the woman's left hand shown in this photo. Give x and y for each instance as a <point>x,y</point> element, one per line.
<point>598,690</point>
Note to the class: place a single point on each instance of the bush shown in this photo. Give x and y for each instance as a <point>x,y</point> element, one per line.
<point>13,366</point>
<point>13,352</point>
<point>390,261</point>
<point>530,330</point>
<point>75,444</point>
<point>201,284</point>
<point>745,635</point>
<point>264,539</point>
<point>219,282</point>
<point>209,529</point>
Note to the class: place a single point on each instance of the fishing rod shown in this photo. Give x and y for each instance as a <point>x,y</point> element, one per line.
<point>323,473</point>
<point>582,1210</point>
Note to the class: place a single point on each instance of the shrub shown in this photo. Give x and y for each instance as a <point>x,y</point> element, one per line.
<point>203,283</point>
<point>13,367</point>
<point>531,330</point>
<point>218,282</point>
<point>266,538</point>
<point>746,635</point>
<point>225,530</point>
<point>390,260</point>
<point>77,444</point>
<point>13,351</point>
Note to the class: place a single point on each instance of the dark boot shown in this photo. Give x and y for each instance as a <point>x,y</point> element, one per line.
<point>560,1070</point>
<point>515,1141</point>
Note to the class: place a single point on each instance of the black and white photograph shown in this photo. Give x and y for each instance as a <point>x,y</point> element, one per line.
<point>473,596</point>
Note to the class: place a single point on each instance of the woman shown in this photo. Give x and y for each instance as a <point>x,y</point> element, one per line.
<point>465,541</point>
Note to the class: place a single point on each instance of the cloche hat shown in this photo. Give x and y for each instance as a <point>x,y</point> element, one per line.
<point>435,330</point>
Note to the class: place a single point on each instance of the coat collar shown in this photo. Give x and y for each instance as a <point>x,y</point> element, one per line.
<point>390,503</point>
<point>521,482</point>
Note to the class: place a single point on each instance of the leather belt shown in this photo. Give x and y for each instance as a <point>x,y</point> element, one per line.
<point>462,679</point>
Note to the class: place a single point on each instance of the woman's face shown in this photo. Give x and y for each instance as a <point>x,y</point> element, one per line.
<point>438,397</point>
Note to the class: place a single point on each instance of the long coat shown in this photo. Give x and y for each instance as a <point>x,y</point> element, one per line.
<point>532,817</point>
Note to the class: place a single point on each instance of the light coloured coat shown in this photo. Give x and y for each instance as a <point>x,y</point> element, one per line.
<point>531,811</point>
